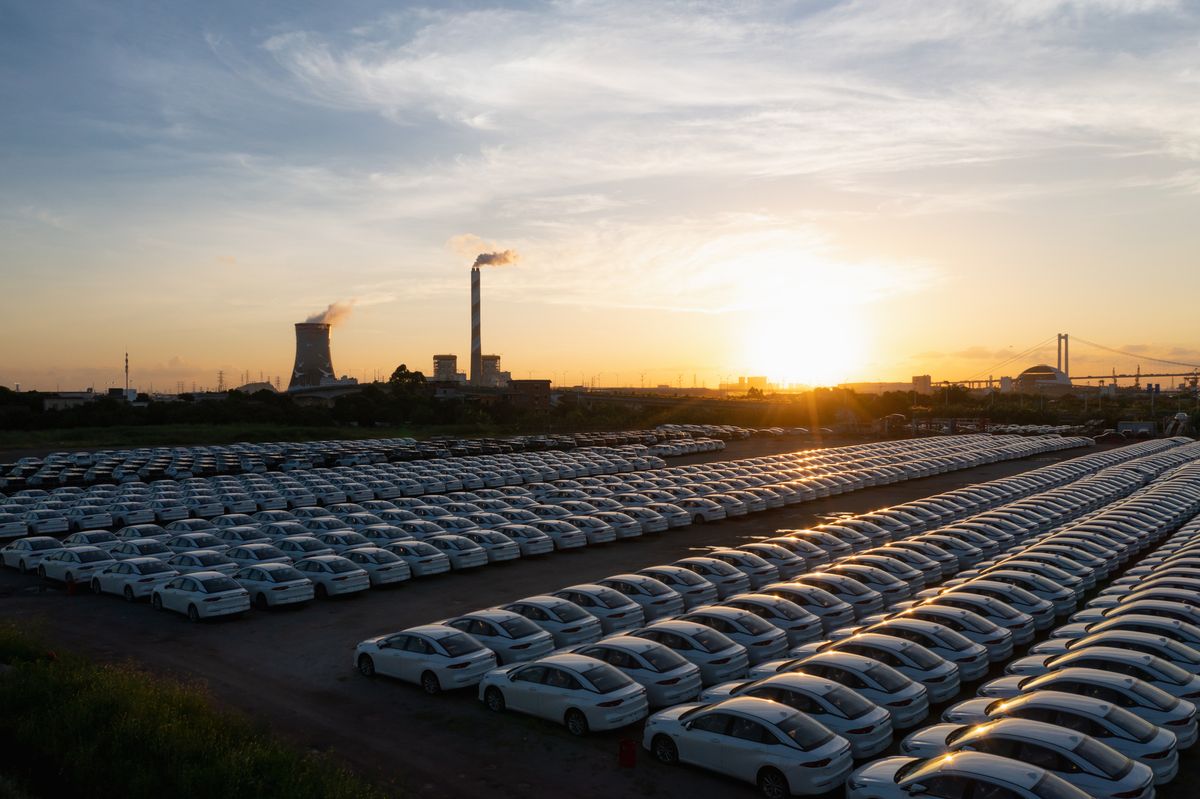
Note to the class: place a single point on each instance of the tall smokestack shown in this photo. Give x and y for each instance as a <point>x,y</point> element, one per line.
<point>313,363</point>
<point>476,343</point>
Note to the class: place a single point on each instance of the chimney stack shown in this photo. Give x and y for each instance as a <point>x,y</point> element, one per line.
<point>476,344</point>
<point>313,363</point>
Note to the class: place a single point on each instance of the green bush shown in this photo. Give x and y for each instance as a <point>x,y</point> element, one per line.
<point>70,726</point>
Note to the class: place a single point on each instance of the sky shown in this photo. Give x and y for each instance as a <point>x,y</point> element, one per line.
<point>813,191</point>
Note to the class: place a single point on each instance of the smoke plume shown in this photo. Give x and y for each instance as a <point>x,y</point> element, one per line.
<point>334,314</point>
<point>496,258</point>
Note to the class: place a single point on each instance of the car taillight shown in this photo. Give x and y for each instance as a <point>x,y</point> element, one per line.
<point>1158,755</point>
<point>1129,794</point>
<point>520,646</point>
<point>825,761</point>
<point>611,703</point>
<point>720,662</point>
<point>861,730</point>
<point>671,681</point>
<point>458,665</point>
<point>900,703</point>
<point>572,629</point>
<point>1179,722</point>
<point>146,580</point>
<point>213,599</point>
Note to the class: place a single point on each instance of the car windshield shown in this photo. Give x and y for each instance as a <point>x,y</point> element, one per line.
<point>710,640</point>
<point>285,575</point>
<point>92,557</point>
<point>847,703</point>
<point>215,585</point>
<point>569,611</point>
<point>606,678</point>
<point>38,546</point>
<point>1134,725</point>
<point>1108,760</point>
<point>459,644</point>
<point>1155,697</point>
<point>341,566</point>
<point>519,627</point>
<point>806,733</point>
<point>157,567</point>
<point>888,678</point>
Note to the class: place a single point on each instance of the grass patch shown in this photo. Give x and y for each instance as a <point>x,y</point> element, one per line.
<point>69,726</point>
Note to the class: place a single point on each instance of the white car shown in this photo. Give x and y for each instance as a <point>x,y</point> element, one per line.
<point>718,658</point>
<point>202,560</point>
<point>463,552</point>
<point>531,540</point>
<point>133,578</point>
<point>657,599</point>
<point>511,636</point>
<point>333,575</point>
<point>959,774</point>
<point>668,677</point>
<point>566,621</point>
<point>25,554</point>
<point>257,554</point>
<point>74,564</point>
<point>781,750</point>
<point>298,547</point>
<point>580,692</point>
<point>498,546</point>
<point>615,611</point>
<point>434,656</point>
<point>201,595</point>
<point>273,584</point>
<point>141,548</point>
<point>382,566</point>
<point>423,559</point>
<point>102,539</point>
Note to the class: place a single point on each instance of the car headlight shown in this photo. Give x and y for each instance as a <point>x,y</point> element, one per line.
<point>855,784</point>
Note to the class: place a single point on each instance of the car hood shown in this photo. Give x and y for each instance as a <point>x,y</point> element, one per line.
<point>879,772</point>
<point>928,741</point>
<point>1030,664</point>
<point>1006,686</point>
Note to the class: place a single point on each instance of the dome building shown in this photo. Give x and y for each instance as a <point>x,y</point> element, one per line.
<point>1043,379</point>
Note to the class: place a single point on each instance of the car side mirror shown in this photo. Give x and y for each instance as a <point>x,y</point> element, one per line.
<point>915,787</point>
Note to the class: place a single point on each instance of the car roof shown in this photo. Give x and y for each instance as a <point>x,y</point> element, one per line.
<point>630,642</point>
<point>490,614</point>
<point>764,709</point>
<point>1060,699</point>
<point>431,630</point>
<point>678,626</point>
<point>569,660</point>
<point>1011,771</point>
<point>1027,729</point>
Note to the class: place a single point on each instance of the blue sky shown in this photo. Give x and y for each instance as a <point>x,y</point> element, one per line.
<point>815,190</point>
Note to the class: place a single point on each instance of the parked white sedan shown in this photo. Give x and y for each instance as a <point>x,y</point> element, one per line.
<point>333,575</point>
<point>511,636</point>
<point>272,584</point>
<point>581,692</point>
<point>765,743</point>
<point>201,595</point>
<point>132,578</point>
<point>73,564</point>
<point>434,656</point>
<point>382,566</point>
<point>25,554</point>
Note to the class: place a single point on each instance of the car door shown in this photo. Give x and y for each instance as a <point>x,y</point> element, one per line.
<point>558,692</point>
<point>170,593</point>
<point>413,659</point>
<point>747,743</point>
<point>704,742</point>
<point>526,682</point>
<point>389,658</point>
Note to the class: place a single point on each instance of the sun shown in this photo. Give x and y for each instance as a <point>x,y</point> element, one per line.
<point>819,344</point>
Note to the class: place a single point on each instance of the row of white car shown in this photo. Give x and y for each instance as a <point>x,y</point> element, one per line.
<point>860,683</point>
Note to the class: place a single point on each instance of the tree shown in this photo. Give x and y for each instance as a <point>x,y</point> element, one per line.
<point>404,383</point>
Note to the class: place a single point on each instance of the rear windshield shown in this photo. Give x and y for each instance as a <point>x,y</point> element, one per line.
<point>756,626</point>
<point>92,557</point>
<point>606,678</point>
<point>423,549</point>
<point>569,611</point>
<point>888,678</point>
<point>285,575</point>
<point>711,640</point>
<point>663,659</point>
<point>610,598</point>
<point>211,558</point>
<point>1155,697</point>
<point>848,703</point>
<point>655,588</point>
<point>806,733</point>
<point>215,585</point>
<point>38,546</point>
<point>1052,787</point>
<point>1136,726</point>
<point>1110,762</point>
<point>157,567</point>
<point>519,627</point>
<point>459,644</point>
<point>341,566</point>
<point>921,657</point>
<point>685,577</point>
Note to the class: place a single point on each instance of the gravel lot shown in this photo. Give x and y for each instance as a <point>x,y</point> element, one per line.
<point>293,670</point>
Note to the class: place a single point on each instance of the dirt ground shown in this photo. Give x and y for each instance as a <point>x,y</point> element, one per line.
<point>293,669</point>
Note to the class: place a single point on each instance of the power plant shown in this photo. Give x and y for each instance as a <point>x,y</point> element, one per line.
<point>314,366</point>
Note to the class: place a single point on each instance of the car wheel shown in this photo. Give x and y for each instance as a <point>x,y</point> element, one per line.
<point>494,700</point>
<point>42,572</point>
<point>156,602</point>
<point>260,602</point>
<point>129,597</point>
<point>22,568</point>
<point>698,519</point>
<point>366,666</point>
<point>320,592</point>
<point>576,722</point>
<point>773,785</point>
<point>69,579</point>
<point>96,587</point>
<point>664,749</point>
<point>193,614</point>
<point>429,682</point>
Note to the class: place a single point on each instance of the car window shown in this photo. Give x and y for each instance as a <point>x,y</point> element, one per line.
<point>1043,757</point>
<point>417,645</point>
<point>532,674</point>
<point>712,722</point>
<point>530,612</point>
<point>750,730</point>
<point>557,678</point>
<point>947,787</point>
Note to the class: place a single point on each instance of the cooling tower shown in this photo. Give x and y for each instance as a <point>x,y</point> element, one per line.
<point>313,364</point>
<point>476,345</point>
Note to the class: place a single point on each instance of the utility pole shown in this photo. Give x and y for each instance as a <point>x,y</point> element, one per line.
<point>221,380</point>
<point>127,375</point>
